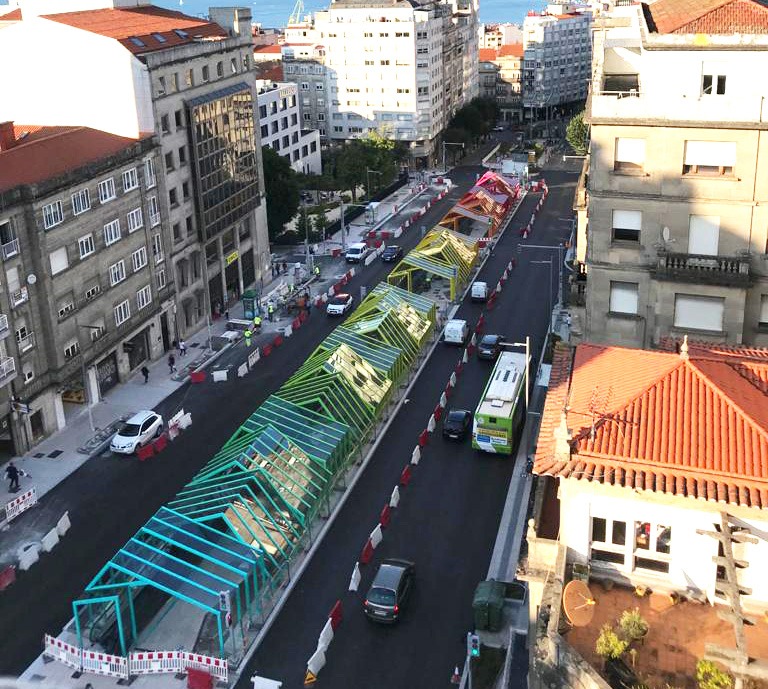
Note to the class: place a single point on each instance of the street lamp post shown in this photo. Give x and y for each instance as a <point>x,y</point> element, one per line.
<point>445,144</point>
<point>342,223</point>
<point>86,387</point>
<point>368,179</point>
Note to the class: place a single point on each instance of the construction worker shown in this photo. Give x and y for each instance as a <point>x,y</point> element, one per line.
<point>271,312</point>
<point>257,323</point>
<point>248,334</point>
<point>317,271</point>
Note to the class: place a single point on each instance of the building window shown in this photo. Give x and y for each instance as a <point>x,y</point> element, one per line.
<point>71,350</point>
<point>161,282</point>
<point>154,211</point>
<point>178,118</point>
<point>709,158</point>
<point>135,220</point>
<point>81,201</point>
<point>319,86</point>
<point>130,180</point>
<point>624,298</point>
<point>609,540</point>
<point>304,86</point>
<point>66,308</point>
<point>85,244</point>
<point>107,190</point>
<point>206,73</point>
<point>629,155</point>
<point>139,258</point>
<point>150,179</point>
<point>712,81</point>
<point>53,214</point>
<point>321,117</point>
<point>264,131</point>
<point>59,260</point>
<point>169,165</point>
<point>143,297</point>
<point>173,198</point>
<point>307,117</point>
<point>183,155</point>
<point>652,546</point>
<point>92,292</point>
<point>116,273</point>
<point>699,313</point>
<point>626,225</point>
<point>122,312</point>
<point>703,234</point>
<point>157,248</point>
<point>189,78</point>
<point>177,232</point>
<point>185,190</point>
<point>219,69</point>
<point>763,322</point>
<point>233,65</point>
<point>111,232</point>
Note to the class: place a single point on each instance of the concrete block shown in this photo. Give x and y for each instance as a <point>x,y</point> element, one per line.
<point>62,526</point>
<point>28,555</point>
<point>50,540</point>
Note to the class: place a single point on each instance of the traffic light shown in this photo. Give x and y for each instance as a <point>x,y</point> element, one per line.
<point>473,645</point>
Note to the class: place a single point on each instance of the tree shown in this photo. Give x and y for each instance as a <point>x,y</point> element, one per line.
<point>303,225</point>
<point>320,222</point>
<point>577,134</point>
<point>282,191</point>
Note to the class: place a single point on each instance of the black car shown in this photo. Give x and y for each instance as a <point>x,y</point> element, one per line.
<point>489,347</point>
<point>457,424</point>
<point>392,253</point>
<point>389,590</point>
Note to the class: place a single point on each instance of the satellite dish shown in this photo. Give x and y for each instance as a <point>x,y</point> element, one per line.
<point>31,279</point>
<point>665,233</point>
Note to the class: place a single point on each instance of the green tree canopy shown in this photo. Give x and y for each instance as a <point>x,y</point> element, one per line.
<point>282,191</point>
<point>577,134</point>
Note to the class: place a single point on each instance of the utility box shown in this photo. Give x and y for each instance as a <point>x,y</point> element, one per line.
<point>488,604</point>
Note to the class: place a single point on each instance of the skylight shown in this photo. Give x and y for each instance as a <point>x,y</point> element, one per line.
<point>138,42</point>
<point>180,33</point>
<point>159,37</point>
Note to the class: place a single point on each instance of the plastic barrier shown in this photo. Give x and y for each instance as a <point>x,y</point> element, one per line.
<point>216,666</point>
<point>277,341</point>
<point>354,580</point>
<point>405,476</point>
<point>197,376</point>
<point>469,351</point>
<point>448,389</point>
<point>50,540</point>
<point>62,526</point>
<point>367,553</point>
<point>316,662</point>
<point>473,340</point>
<point>303,316</point>
<point>7,577</point>
<point>326,636</point>
<point>394,499</point>
<point>459,366</point>
<point>185,421</point>
<point>161,443</point>
<point>465,355</point>
<point>296,323</point>
<point>416,455</point>
<point>376,536</point>
<point>154,662</point>
<point>431,424</point>
<point>423,438</point>
<point>220,375</point>
<point>20,504</point>
<point>438,412</point>
<point>267,350</point>
<point>145,452</point>
<point>28,556</point>
<point>480,324</point>
<point>105,664</point>
<point>56,649</point>
<point>385,516</point>
<point>453,380</point>
<point>443,400</point>
<point>242,370</point>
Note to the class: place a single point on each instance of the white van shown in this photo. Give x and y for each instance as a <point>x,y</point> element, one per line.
<point>479,291</point>
<point>456,332</point>
<point>357,252</point>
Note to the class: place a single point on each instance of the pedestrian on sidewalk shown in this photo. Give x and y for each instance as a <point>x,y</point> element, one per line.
<point>248,334</point>
<point>182,348</point>
<point>145,373</point>
<point>271,312</point>
<point>12,473</point>
<point>226,315</point>
<point>285,267</point>
<point>172,364</point>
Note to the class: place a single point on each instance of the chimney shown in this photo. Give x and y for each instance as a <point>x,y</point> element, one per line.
<point>562,437</point>
<point>7,137</point>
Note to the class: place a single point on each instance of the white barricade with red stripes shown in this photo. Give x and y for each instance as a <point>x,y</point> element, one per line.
<point>215,666</point>
<point>56,649</point>
<point>20,504</point>
<point>155,662</point>
<point>105,664</point>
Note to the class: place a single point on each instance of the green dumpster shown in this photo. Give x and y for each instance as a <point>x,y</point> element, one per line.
<point>487,605</point>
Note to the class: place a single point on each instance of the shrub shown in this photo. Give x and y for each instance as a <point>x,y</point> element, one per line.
<point>632,625</point>
<point>609,645</point>
<point>709,676</point>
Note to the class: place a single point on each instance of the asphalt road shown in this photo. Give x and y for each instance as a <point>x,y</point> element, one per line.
<point>109,498</point>
<point>448,515</point>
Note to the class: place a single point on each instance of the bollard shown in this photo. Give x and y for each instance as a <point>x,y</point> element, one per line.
<point>394,499</point>
<point>405,476</point>
<point>385,516</point>
<point>354,581</point>
<point>438,412</point>
<point>431,423</point>
<point>367,554</point>
<point>423,438</point>
<point>335,615</point>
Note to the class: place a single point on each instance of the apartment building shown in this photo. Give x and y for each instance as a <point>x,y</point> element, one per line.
<point>281,127</point>
<point>85,285</point>
<point>400,68</point>
<point>488,74</point>
<point>187,79</point>
<point>557,56</point>
<point>493,36</point>
<point>677,186</point>
<point>508,61</point>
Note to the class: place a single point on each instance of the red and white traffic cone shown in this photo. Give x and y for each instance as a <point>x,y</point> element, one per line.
<point>456,678</point>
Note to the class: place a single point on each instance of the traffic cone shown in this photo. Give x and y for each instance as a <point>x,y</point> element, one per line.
<point>456,678</point>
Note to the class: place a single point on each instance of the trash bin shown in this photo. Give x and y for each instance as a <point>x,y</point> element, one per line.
<point>487,605</point>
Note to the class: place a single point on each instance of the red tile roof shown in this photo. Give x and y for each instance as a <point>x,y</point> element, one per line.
<point>12,16</point>
<point>268,49</point>
<point>511,50</point>
<point>141,23</point>
<point>46,152</point>
<point>269,71</point>
<point>694,426</point>
<point>708,16</point>
<point>487,54</point>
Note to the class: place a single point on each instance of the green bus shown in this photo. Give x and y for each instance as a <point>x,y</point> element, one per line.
<point>500,415</point>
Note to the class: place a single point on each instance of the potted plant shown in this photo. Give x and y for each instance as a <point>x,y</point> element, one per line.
<point>709,676</point>
<point>609,644</point>
<point>632,625</point>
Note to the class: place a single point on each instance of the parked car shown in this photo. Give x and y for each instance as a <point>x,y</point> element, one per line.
<point>479,291</point>
<point>357,252</point>
<point>392,253</point>
<point>389,591</point>
<point>456,332</point>
<point>141,429</point>
<point>340,304</point>
<point>489,347</point>
<point>457,424</point>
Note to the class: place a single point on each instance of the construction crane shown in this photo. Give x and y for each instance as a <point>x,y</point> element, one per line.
<point>298,13</point>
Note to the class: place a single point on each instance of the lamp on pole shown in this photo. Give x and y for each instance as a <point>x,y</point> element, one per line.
<point>342,225</point>
<point>368,179</point>
<point>551,305</point>
<point>445,144</point>
<point>86,387</point>
<point>560,248</point>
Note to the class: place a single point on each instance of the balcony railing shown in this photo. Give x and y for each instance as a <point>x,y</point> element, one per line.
<point>19,297</point>
<point>26,343</point>
<point>10,249</point>
<point>7,370</point>
<point>4,330</point>
<point>729,271</point>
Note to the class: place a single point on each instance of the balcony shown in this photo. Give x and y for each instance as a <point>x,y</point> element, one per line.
<point>10,249</point>
<point>25,343</point>
<point>19,297</point>
<point>7,370</point>
<point>728,271</point>
<point>4,330</point>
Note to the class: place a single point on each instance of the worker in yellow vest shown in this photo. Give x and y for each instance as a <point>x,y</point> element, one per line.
<point>248,334</point>
<point>257,323</point>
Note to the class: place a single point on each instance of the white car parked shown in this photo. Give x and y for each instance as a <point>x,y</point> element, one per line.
<point>141,429</point>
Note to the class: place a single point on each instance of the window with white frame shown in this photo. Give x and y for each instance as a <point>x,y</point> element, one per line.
<point>143,297</point>
<point>92,292</point>
<point>624,297</point>
<point>713,79</point>
<point>609,540</point>
<point>107,190</point>
<point>626,225</point>
<point>53,214</point>
<point>71,350</point>
<point>699,313</point>
<point>130,179</point>
<point>117,272</point>
<point>122,312</point>
<point>85,244</point>
<point>157,248</point>
<point>135,220</point>
<point>653,543</point>
<point>150,179</point>
<point>65,307</point>
<point>154,211</point>
<point>635,545</point>
<point>139,258</point>
<point>111,232</point>
<point>703,234</point>
<point>81,201</point>
<point>59,260</point>
<point>709,158</point>
<point>763,318</point>
<point>161,280</point>
<point>629,155</point>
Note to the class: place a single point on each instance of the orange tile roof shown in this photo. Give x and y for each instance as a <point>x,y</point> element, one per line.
<point>708,16</point>
<point>12,16</point>
<point>268,49</point>
<point>487,54</point>
<point>47,152</point>
<point>511,50</point>
<point>269,71</point>
<point>142,23</point>
<point>694,426</point>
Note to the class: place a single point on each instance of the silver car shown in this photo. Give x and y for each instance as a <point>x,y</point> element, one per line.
<point>141,429</point>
